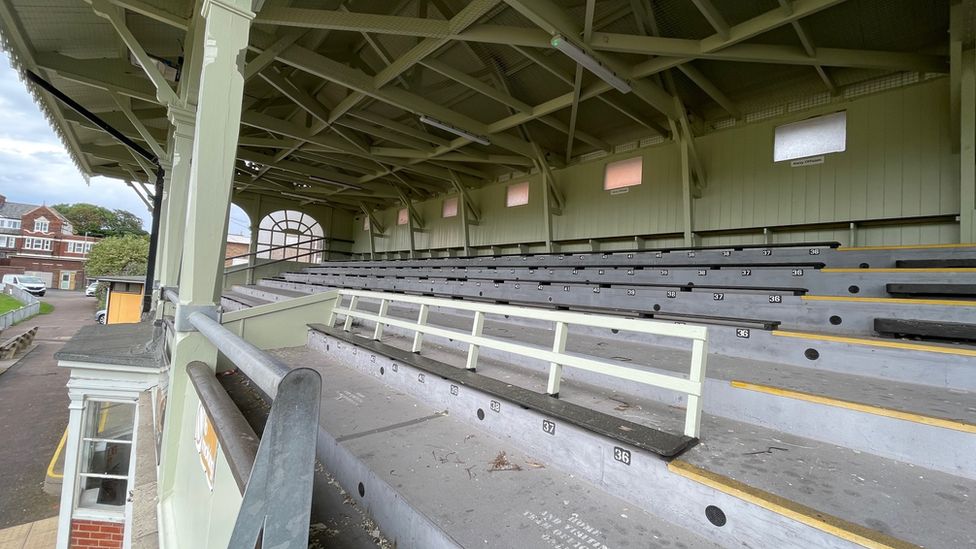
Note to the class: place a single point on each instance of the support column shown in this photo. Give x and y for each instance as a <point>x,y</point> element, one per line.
<point>686,197</point>
<point>176,190</point>
<point>465,230</point>
<point>546,210</point>
<point>227,25</point>
<point>967,147</point>
<point>253,243</point>
<point>167,167</point>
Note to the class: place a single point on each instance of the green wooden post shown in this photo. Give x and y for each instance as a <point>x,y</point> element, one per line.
<point>227,25</point>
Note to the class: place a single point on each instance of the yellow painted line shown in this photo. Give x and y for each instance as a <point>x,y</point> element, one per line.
<point>854,533</point>
<point>890,300</point>
<point>906,247</point>
<point>886,270</point>
<point>54,458</point>
<point>877,343</point>
<point>858,407</point>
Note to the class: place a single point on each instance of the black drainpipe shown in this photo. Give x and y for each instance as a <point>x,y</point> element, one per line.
<point>138,149</point>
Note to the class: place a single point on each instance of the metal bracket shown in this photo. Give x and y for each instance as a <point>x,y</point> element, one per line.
<point>182,319</point>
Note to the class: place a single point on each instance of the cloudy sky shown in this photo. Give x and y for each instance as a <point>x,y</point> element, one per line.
<point>35,169</point>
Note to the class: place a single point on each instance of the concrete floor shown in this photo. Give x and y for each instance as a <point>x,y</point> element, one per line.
<point>34,409</point>
<point>41,534</point>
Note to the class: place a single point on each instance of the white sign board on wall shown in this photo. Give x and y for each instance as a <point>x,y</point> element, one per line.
<point>811,137</point>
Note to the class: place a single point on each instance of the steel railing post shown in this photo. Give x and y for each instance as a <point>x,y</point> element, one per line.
<point>378,331</point>
<point>353,301</point>
<point>418,336</point>
<point>556,369</point>
<point>330,320</point>
<point>693,407</point>
<point>477,326</point>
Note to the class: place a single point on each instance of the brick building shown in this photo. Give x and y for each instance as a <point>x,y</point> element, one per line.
<point>38,240</point>
<point>236,245</point>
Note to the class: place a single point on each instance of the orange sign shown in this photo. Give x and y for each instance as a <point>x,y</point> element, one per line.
<point>205,438</point>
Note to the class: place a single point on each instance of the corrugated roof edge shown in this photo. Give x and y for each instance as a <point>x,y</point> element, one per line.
<point>7,46</point>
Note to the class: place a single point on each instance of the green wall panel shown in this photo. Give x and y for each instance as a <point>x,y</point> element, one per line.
<point>898,163</point>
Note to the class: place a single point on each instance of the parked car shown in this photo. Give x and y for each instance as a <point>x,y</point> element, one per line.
<point>91,289</point>
<point>29,283</point>
<point>101,315</point>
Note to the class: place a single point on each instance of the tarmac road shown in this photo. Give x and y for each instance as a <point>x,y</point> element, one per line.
<point>34,409</point>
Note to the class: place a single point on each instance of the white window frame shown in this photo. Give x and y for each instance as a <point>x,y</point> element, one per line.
<point>626,163</point>
<point>7,241</point>
<point>811,137</point>
<point>9,223</point>
<point>46,243</point>
<point>103,511</point>
<point>513,200</point>
<point>42,225</point>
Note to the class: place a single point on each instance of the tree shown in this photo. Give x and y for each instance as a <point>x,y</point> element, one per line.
<point>98,221</point>
<point>119,255</point>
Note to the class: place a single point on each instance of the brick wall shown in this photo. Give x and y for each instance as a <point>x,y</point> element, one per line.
<point>91,533</point>
<point>234,249</point>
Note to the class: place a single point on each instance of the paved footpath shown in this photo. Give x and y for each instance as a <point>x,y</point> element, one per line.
<point>34,409</point>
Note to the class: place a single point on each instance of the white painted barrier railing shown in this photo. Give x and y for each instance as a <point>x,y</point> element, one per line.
<point>32,306</point>
<point>557,357</point>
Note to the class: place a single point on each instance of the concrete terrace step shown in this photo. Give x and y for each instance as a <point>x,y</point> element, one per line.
<point>431,480</point>
<point>923,425</point>
<point>943,365</point>
<point>232,300</point>
<point>268,293</point>
<point>774,488</point>
<point>837,314</point>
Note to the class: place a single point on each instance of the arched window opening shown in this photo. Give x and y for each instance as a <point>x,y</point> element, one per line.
<point>294,230</point>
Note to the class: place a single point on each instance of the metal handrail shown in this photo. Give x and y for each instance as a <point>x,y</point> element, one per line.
<point>263,369</point>
<point>557,358</point>
<point>246,267</point>
<point>283,246</point>
<point>235,435</point>
<point>276,508</point>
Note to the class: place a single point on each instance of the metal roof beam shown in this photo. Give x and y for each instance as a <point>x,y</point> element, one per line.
<point>552,19</point>
<point>764,23</point>
<point>104,74</point>
<point>709,88</point>
<point>807,43</point>
<point>399,127</point>
<point>557,71</point>
<point>152,12</point>
<point>713,16</point>
<point>164,92</point>
<point>506,99</point>
<point>578,81</point>
<point>674,51</point>
<point>455,157</point>
<point>331,70</point>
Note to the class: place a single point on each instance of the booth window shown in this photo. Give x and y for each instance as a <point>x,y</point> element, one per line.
<point>450,207</point>
<point>106,451</point>
<point>624,173</point>
<point>811,137</point>
<point>403,216</point>
<point>517,195</point>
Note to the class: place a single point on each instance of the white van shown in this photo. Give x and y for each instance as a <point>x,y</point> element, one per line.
<point>28,283</point>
